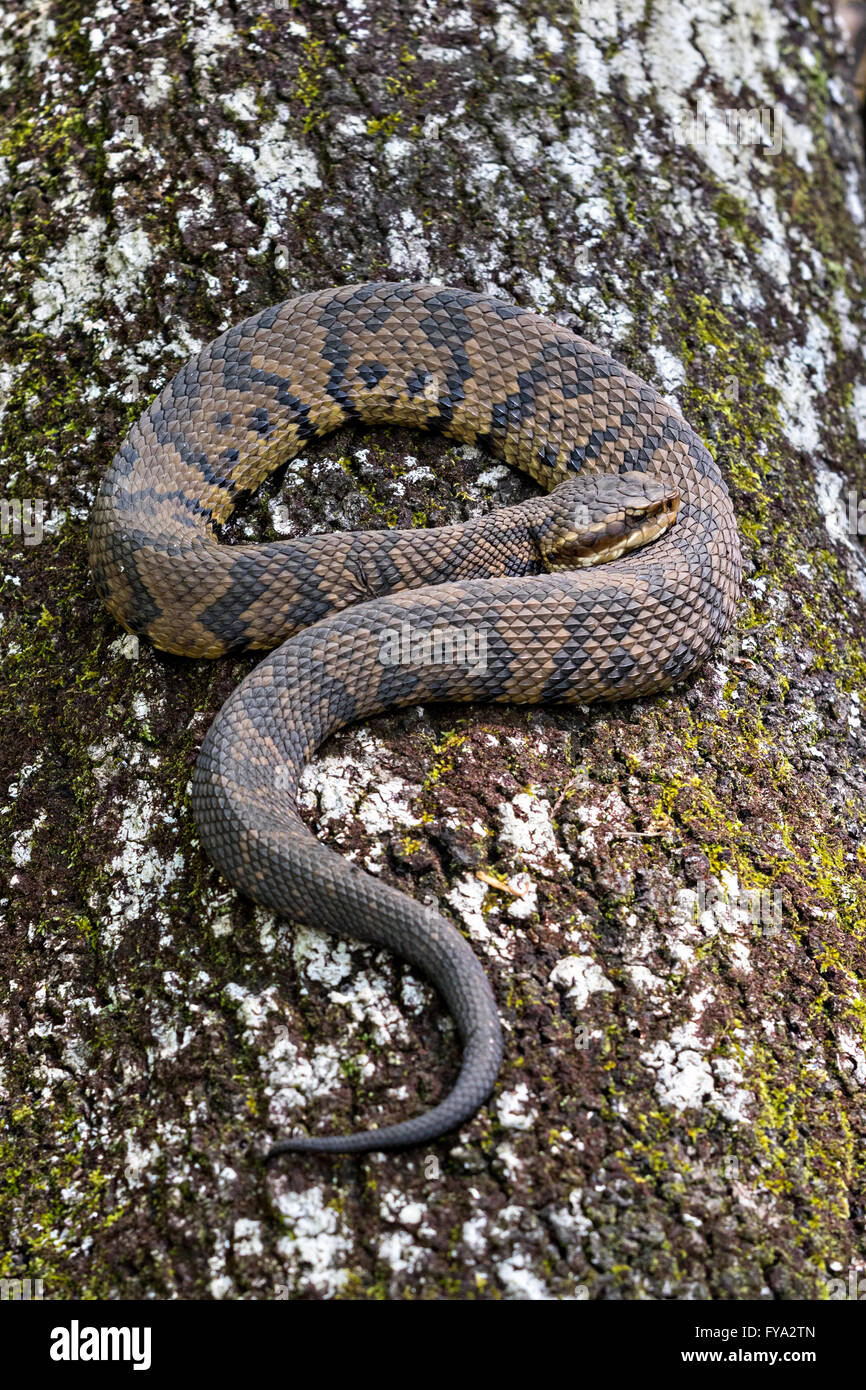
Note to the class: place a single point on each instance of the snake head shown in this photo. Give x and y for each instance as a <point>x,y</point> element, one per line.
<point>602,516</point>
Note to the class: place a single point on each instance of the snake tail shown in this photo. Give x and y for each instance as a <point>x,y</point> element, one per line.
<point>245,783</point>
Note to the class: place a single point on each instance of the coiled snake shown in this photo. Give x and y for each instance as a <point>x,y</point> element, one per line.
<point>364,622</point>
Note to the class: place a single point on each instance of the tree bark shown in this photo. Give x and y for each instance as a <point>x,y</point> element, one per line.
<point>677,946</point>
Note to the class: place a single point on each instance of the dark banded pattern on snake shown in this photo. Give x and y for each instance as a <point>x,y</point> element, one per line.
<point>479,370</point>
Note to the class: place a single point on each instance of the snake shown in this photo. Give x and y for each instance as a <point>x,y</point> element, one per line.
<point>615,582</point>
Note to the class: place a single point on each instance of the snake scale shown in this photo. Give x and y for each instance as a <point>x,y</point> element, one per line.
<point>622,467</point>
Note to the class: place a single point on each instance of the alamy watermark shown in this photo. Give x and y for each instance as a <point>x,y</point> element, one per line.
<point>762,906</point>
<point>21,1291</point>
<point>24,517</point>
<point>77,1343</point>
<point>855,514</point>
<point>726,386</point>
<point>455,645</point>
<point>853,1288</point>
<point>735,126</point>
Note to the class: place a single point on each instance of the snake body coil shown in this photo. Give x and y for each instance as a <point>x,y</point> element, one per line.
<point>481,371</point>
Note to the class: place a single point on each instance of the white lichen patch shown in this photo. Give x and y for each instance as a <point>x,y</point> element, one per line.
<point>689,1078</point>
<point>141,1160</point>
<point>293,1078</point>
<point>156,83</point>
<point>600,818</point>
<point>399,1244</point>
<point>70,279</point>
<point>169,1036</point>
<point>25,772</point>
<point>22,843</point>
<point>473,1233</point>
<point>839,505</point>
<point>242,104</point>
<point>281,169</point>
<point>522,1237</point>
<point>408,249</point>
<point>370,1007</point>
<point>852,1056</point>
<point>685,913</point>
<point>321,958</point>
<point>318,1243</point>
<point>527,826</point>
<point>9,374</point>
<point>684,1076</point>
<point>569,1222</point>
<point>525,904</point>
<point>127,260</point>
<point>581,977</point>
<point>400,1252</point>
<point>142,874</point>
<point>358,783</point>
<point>514,1108</point>
<point>209,38</point>
<point>247,1238</point>
<point>723,906</point>
<point>127,646</point>
<point>854,195</point>
<point>800,379</point>
<point>670,372</point>
<point>519,1279</point>
<point>858,410</point>
<point>467,898</point>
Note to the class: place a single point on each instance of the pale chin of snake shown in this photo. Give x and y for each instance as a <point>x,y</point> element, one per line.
<point>623,469</point>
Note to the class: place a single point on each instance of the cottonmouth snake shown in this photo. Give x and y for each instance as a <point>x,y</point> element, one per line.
<point>618,460</point>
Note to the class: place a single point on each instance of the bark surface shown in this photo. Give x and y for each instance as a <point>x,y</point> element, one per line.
<point>668,896</point>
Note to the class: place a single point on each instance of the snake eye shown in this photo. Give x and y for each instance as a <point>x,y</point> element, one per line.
<point>607,531</point>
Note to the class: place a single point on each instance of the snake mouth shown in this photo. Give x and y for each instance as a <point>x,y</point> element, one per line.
<point>616,536</point>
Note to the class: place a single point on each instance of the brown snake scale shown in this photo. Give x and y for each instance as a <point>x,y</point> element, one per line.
<point>359,615</point>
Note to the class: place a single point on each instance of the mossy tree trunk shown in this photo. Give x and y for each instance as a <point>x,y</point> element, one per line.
<point>678,943</point>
